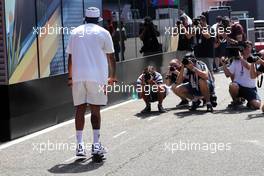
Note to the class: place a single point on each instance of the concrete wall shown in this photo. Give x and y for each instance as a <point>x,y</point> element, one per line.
<point>38,104</point>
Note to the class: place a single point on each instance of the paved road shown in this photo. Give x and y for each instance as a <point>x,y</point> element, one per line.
<point>228,143</point>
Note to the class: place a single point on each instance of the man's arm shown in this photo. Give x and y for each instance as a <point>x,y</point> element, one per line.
<point>112,65</point>
<point>253,71</point>
<point>70,70</point>
<point>245,63</point>
<point>227,72</point>
<point>202,74</point>
<point>180,76</point>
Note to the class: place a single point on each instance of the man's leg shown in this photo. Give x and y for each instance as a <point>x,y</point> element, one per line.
<point>145,96</point>
<point>205,91</point>
<point>96,122</point>
<point>234,91</point>
<point>79,125</point>
<point>204,88</point>
<point>217,63</point>
<point>161,96</point>
<point>184,102</point>
<point>183,92</point>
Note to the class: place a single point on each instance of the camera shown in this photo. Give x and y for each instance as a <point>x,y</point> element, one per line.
<point>196,21</point>
<point>172,69</point>
<point>148,76</point>
<point>255,56</point>
<point>179,22</point>
<point>234,49</point>
<point>187,59</point>
<point>253,59</point>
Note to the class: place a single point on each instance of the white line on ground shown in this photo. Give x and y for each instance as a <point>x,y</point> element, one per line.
<point>22,139</point>
<point>119,134</point>
<point>152,118</point>
<point>72,136</point>
<point>70,159</point>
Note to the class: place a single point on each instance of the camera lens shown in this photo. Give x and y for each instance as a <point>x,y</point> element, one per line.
<point>172,69</point>
<point>185,61</point>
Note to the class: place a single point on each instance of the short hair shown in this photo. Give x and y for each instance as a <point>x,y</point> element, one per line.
<point>149,68</point>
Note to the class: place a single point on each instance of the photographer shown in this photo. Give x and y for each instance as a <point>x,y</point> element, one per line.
<point>242,86</point>
<point>185,44</point>
<point>204,48</point>
<point>171,80</point>
<point>150,84</point>
<point>200,83</point>
<point>257,68</point>
<point>149,35</point>
<point>222,28</point>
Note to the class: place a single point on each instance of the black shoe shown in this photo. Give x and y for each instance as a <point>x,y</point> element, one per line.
<point>195,105</point>
<point>161,109</point>
<point>147,109</point>
<point>213,100</point>
<point>209,108</point>
<point>183,103</point>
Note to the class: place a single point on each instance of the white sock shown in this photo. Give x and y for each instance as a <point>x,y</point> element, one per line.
<point>79,136</point>
<point>96,134</point>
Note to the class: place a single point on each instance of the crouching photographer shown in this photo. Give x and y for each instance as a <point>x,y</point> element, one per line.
<point>200,85</point>
<point>257,68</point>
<point>243,84</point>
<point>171,80</point>
<point>151,89</point>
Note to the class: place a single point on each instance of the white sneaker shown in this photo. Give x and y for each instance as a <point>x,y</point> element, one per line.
<point>80,150</point>
<point>97,148</point>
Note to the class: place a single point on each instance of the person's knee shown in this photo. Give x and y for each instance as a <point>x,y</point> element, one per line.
<point>80,110</point>
<point>255,104</point>
<point>178,90</point>
<point>234,87</point>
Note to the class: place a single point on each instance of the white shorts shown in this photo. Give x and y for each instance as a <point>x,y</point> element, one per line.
<point>88,92</point>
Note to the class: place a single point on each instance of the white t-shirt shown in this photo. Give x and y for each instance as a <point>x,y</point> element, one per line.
<point>88,45</point>
<point>241,75</point>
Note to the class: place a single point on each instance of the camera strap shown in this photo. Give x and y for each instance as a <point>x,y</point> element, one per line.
<point>260,81</point>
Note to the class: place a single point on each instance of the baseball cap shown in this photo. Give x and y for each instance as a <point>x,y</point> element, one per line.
<point>93,12</point>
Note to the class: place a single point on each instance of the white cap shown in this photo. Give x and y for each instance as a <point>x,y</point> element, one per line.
<point>93,12</point>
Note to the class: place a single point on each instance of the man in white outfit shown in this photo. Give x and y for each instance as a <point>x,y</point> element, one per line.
<point>91,53</point>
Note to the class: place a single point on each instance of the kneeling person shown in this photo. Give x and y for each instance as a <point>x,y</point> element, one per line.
<point>151,89</point>
<point>200,85</point>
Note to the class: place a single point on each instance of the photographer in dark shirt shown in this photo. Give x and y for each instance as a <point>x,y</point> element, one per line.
<point>148,34</point>
<point>205,42</point>
<point>185,37</point>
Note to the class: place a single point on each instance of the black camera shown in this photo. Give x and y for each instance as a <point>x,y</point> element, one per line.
<point>253,59</point>
<point>148,76</point>
<point>255,56</point>
<point>196,21</point>
<point>172,69</point>
<point>187,59</point>
<point>234,49</point>
<point>179,22</point>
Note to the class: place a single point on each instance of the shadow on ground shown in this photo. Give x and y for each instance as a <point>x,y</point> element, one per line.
<point>147,115</point>
<point>78,166</point>
<point>255,116</point>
